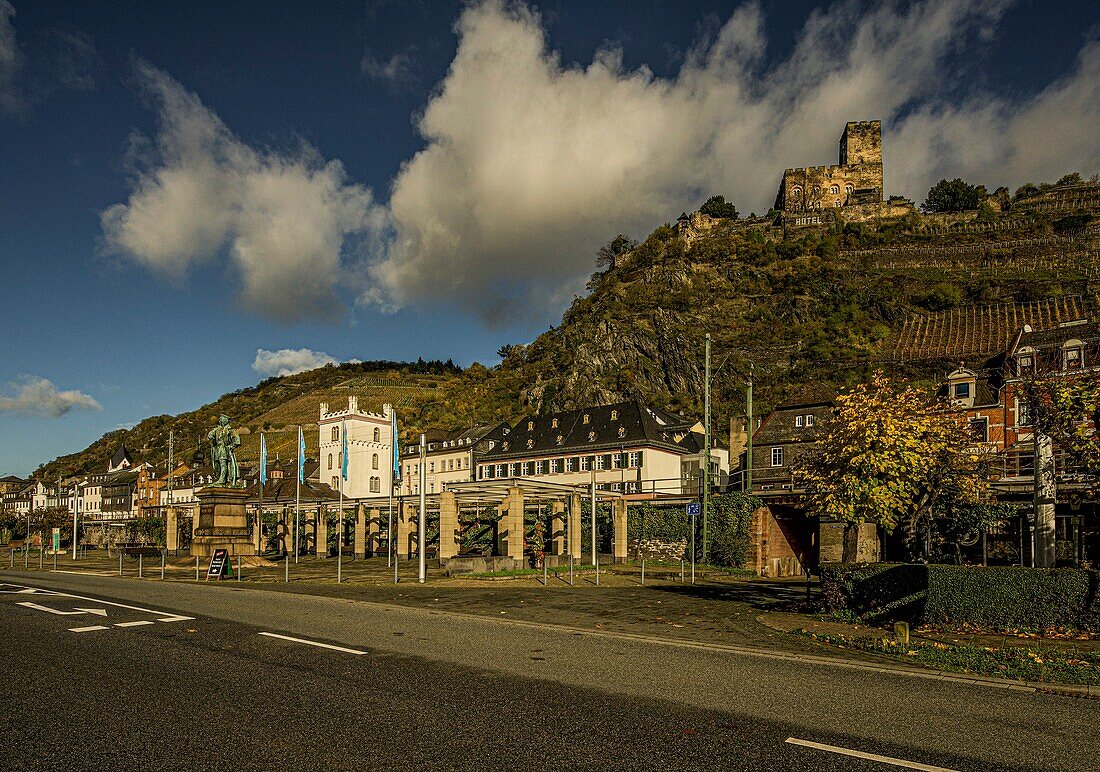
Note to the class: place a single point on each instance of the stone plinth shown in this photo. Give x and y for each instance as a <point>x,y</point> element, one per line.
<point>222,523</point>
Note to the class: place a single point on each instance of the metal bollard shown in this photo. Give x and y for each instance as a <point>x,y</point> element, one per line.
<point>597,569</point>
<point>240,566</point>
<point>162,553</point>
<point>139,565</point>
<point>40,558</point>
<point>643,572</point>
<point>120,562</point>
<point>681,570</point>
<point>286,568</point>
<point>26,556</point>
<point>11,554</point>
<point>55,560</point>
<point>545,572</point>
<point>196,568</point>
<point>570,570</point>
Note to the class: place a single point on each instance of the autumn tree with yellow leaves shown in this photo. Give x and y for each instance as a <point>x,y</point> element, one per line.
<point>891,457</point>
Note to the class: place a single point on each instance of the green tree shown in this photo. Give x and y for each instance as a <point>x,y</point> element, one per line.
<point>1067,409</point>
<point>890,457</point>
<point>953,196</point>
<point>717,206</point>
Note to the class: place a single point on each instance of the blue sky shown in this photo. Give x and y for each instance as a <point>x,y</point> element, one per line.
<point>183,184</point>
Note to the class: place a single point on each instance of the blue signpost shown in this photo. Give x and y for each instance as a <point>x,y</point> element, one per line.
<point>694,509</point>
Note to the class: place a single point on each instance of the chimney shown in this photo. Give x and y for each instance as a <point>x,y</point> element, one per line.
<point>324,409</point>
<point>353,404</point>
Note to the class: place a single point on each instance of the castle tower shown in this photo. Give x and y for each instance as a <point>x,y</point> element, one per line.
<point>861,143</point>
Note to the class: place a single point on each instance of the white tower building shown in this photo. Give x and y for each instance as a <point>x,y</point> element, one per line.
<point>370,450</point>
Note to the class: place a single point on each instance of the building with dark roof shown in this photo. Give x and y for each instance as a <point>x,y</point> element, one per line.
<point>627,447</point>
<point>450,457</point>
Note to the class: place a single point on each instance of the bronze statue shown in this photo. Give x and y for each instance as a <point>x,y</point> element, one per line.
<point>224,442</point>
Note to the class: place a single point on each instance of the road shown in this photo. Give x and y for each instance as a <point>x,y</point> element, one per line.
<point>183,676</point>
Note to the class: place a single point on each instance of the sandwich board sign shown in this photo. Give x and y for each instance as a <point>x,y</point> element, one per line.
<point>220,565</point>
<point>57,540</point>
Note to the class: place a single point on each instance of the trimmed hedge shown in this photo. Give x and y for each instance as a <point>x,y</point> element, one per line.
<point>996,597</point>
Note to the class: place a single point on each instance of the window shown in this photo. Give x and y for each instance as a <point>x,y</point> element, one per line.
<point>799,421</point>
<point>616,461</point>
<point>585,419</point>
<point>553,423</point>
<point>584,463</point>
<point>530,444</point>
<point>504,445</point>
<point>431,466</point>
<point>431,487</point>
<point>1026,363</point>
<point>330,461</point>
<point>492,444</point>
<point>809,419</point>
<point>614,415</point>
<point>502,470</point>
<point>336,434</point>
<point>1022,416</point>
<point>622,432</point>
<point>834,189</point>
<point>979,429</point>
<point>376,485</point>
<point>796,192</point>
<point>635,460</point>
<point>559,440</point>
<point>570,464</point>
<point>335,483</point>
<point>515,470</point>
<point>1073,359</point>
<point>962,391</point>
<point>377,434</point>
<point>451,465</point>
<point>777,456</point>
<point>555,465</point>
<point>601,462</point>
<point>591,436</point>
<point>530,426</point>
<point>374,461</point>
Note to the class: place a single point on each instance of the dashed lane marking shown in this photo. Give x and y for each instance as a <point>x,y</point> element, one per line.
<point>133,624</point>
<point>314,643</point>
<point>869,756</point>
<point>174,619</point>
<point>88,629</point>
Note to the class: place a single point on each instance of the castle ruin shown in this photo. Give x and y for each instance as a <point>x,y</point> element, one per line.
<point>856,180</point>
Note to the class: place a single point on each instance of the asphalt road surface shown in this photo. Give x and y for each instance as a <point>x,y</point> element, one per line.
<point>102,673</point>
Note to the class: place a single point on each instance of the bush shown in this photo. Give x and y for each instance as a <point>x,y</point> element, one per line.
<point>996,597</point>
<point>718,207</point>
<point>729,517</point>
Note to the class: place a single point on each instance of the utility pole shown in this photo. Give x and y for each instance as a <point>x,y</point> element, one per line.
<point>171,449</point>
<point>746,478</point>
<point>706,443</point>
<point>422,525</point>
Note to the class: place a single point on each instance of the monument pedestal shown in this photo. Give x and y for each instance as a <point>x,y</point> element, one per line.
<point>222,523</point>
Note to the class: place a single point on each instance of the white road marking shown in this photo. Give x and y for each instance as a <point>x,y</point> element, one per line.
<point>87,629</point>
<point>108,602</point>
<point>174,619</point>
<point>314,643</point>
<point>869,756</point>
<point>99,611</point>
<point>133,624</point>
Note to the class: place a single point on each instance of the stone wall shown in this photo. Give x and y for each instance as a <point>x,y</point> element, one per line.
<point>658,549</point>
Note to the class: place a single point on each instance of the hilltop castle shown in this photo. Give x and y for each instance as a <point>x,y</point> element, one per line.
<point>857,179</point>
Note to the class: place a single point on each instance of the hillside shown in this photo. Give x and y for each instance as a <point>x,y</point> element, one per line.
<point>822,305</point>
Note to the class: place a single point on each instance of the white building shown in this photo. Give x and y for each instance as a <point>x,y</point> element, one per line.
<point>370,450</point>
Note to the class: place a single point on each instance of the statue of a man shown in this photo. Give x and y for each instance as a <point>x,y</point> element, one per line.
<point>224,442</point>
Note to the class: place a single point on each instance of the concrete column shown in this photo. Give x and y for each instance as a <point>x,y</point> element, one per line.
<point>360,531</point>
<point>1046,494</point>
<point>574,530</point>
<point>404,529</point>
<point>171,530</point>
<point>320,532</point>
<point>258,531</point>
<point>448,525</point>
<point>374,533</point>
<point>556,537</point>
<point>513,539</point>
<point>618,513</point>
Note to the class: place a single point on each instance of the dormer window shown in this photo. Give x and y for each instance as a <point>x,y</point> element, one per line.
<point>962,391</point>
<point>799,421</point>
<point>559,439</point>
<point>1073,355</point>
<point>591,436</point>
<point>492,444</point>
<point>504,446</point>
<point>585,419</point>
<point>553,423</point>
<point>622,432</point>
<point>530,426</point>
<point>809,419</point>
<point>833,189</point>
<point>530,444</point>
<point>614,415</point>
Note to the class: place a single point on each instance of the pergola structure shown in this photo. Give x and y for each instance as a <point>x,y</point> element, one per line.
<point>510,497</point>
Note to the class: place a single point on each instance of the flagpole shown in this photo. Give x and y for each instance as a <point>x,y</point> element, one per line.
<point>298,494</point>
<point>262,481</point>
<point>340,517</point>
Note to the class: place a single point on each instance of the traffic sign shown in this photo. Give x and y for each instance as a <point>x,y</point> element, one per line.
<point>56,539</point>
<point>219,565</point>
<point>695,508</point>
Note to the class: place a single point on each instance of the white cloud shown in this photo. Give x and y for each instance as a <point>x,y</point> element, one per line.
<point>11,60</point>
<point>286,220</point>
<point>39,397</point>
<point>397,72</point>
<point>288,361</point>
<point>530,165</point>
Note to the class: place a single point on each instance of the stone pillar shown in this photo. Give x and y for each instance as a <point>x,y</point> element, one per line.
<point>513,522</point>
<point>618,513</point>
<point>374,532</point>
<point>360,531</point>
<point>194,521</point>
<point>448,525</point>
<point>320,532</point>
<point>258,530</point>
<point>1046,494</point>
<point>556,537</point>
<point>404,529</point>
<point>574,530</point>
<point>171,530</point>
